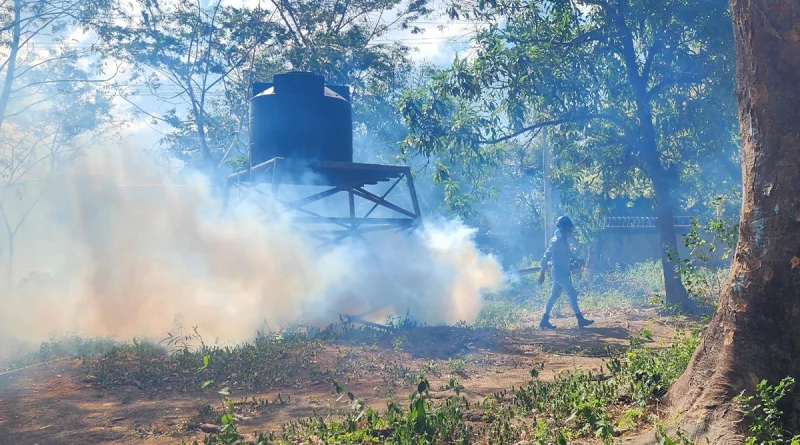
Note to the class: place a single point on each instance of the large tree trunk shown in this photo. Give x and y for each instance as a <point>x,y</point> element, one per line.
<point>676,295</point>
<point>755,333</point>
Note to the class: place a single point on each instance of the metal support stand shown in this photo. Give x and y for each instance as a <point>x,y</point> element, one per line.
<point>338,177</point>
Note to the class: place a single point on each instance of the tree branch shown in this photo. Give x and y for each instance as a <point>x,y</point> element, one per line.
<point>9,80</point>
<point>590,36</point>
<point>565,120</point>
<point>33,104</point>
<point>340,25</point>
<point>44,82</point>
<point>676,79</point>
<point>121,96</point>
<point>657,47</point>
<point>294,31</point>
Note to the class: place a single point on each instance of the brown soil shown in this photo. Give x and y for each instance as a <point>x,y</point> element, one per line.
<point>51,403</point>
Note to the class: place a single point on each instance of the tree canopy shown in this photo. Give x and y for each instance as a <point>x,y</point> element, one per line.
<point>639,94</point>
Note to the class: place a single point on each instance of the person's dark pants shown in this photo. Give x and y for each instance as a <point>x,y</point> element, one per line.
<point>563,282</point>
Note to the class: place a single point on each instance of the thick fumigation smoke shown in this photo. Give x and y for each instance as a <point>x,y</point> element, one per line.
<point>118,245</point>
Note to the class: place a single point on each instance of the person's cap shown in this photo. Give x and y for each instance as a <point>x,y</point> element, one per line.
<point>564,223</point>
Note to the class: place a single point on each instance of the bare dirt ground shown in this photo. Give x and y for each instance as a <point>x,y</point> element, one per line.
<point>51,404</point>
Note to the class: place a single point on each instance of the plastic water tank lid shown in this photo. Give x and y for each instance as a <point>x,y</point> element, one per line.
<point>330,93</point>
<point>267,92</point>
<point>299,83</point>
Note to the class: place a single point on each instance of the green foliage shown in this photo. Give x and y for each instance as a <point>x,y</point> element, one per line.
<point>572,406</point>
<point>709,245</point>
<point>228,432</point>
<point>193,52</point>
<point>644,374</point>
<point>592,70</point>
<point>457,366</point>
<point>209,56</point>
<point>764,414</point>
<point>465,168</point>
<point>584,401</point>
<point>422,422</point>
<point>337,39</point>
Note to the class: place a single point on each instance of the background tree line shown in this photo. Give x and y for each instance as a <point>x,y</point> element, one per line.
<point>637,95</point>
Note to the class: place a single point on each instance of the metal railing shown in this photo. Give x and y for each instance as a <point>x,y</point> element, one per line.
<point>611,222</point>
<point>635,222</point>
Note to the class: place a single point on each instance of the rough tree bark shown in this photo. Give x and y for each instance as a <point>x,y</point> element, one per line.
<point>755,333</point>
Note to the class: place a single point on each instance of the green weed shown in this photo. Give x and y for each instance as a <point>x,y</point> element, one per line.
<point>710,246</point>
<point>265,362</point>
<point>764,414</point>
<point>500,314</point>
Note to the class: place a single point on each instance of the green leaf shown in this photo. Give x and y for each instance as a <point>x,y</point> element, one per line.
<point>224,391</point>
<point>206,360</point>
<point>423,386</point>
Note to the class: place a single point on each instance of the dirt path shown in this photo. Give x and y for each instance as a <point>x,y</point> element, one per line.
<point>52,405</point>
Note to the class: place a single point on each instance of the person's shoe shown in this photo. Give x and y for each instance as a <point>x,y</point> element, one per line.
<point>583,322</point>
<point>545,325</point>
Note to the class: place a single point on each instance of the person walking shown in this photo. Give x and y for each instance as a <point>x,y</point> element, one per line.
<point>560,257</point>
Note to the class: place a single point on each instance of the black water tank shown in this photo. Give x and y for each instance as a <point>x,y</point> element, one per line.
<point>299,117</point>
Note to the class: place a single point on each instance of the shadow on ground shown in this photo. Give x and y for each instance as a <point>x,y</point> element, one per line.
<point>442,343</point>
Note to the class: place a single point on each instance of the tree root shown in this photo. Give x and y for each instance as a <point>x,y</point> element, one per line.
<point>708,430</point>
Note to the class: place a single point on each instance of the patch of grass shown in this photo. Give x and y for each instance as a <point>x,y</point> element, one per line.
<point>501,314</point>
<point>637,286</point>
<point>265,362</point>
<point>574,405</point>
<point>394,373</point>
<point>57,348</point>
<point>585,404</point>
<point>420,421</point>
<point>349,332</point>
<point>140,363</point>
<point>634,286</point>
<point>457,366</point>
<point>631,287</point>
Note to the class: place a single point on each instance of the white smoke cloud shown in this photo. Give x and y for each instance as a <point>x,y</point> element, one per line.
<point>120,246</point>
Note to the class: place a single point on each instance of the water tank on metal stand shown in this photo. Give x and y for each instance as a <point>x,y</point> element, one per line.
<point>299,117</point>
